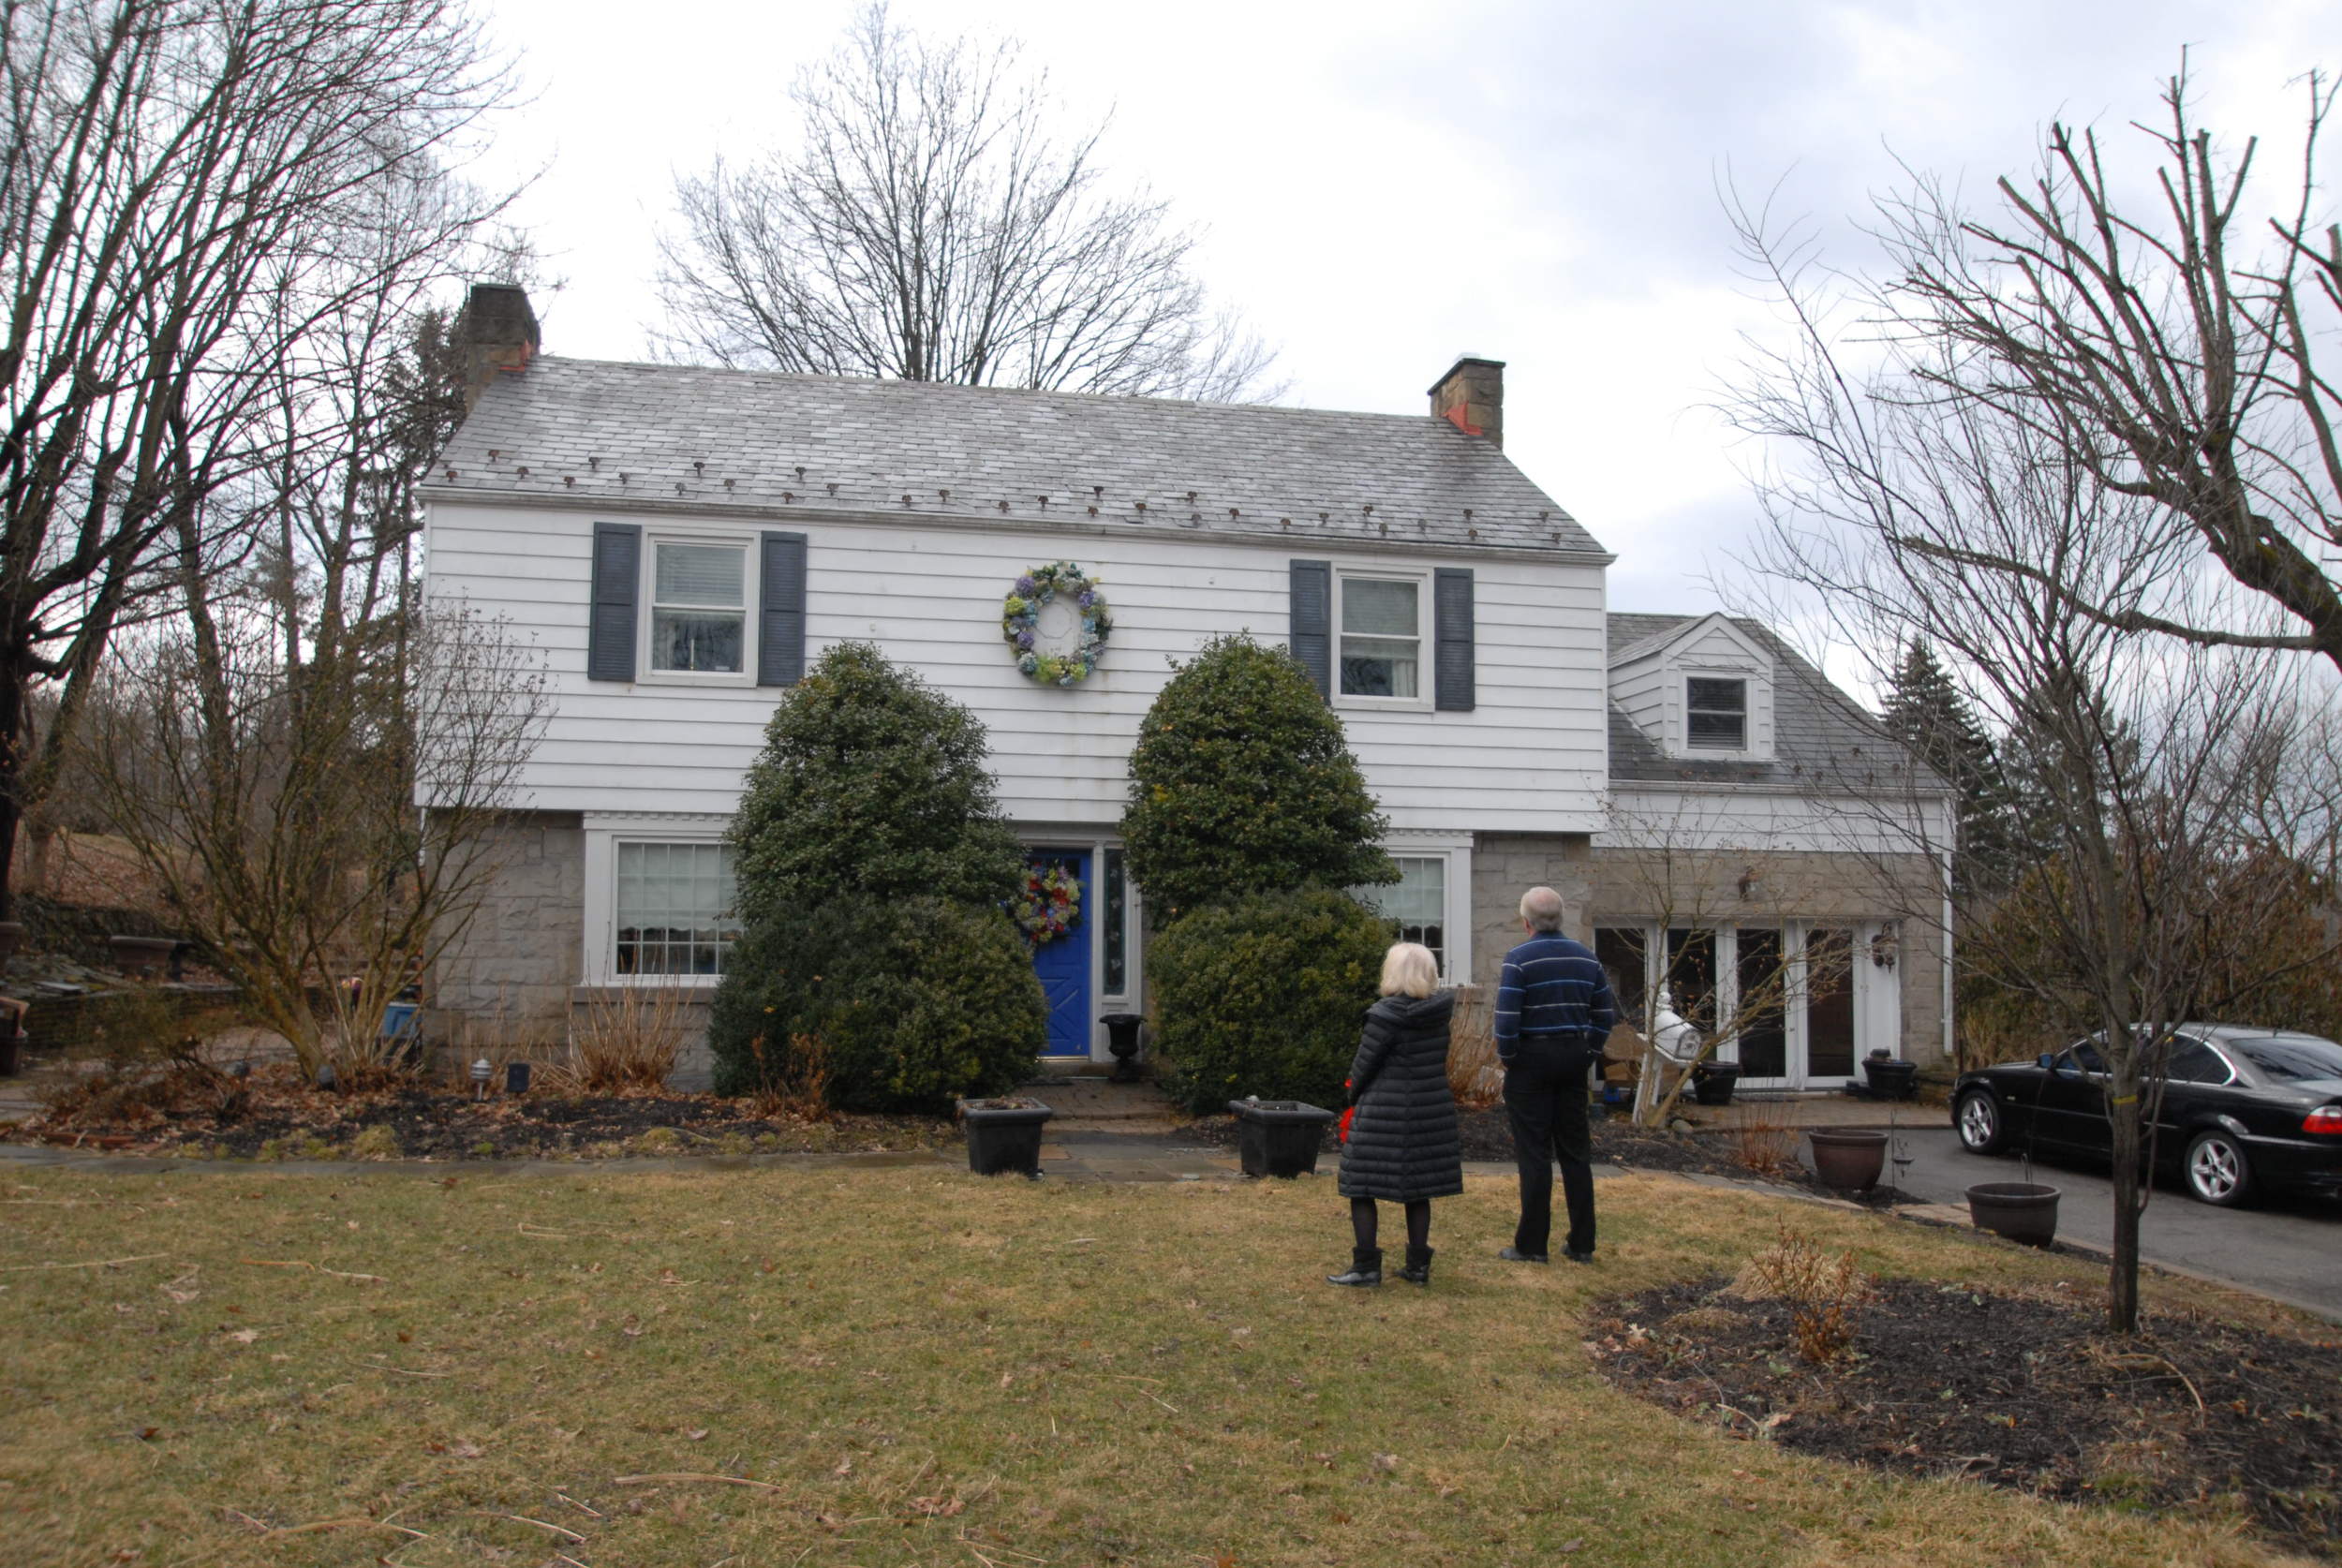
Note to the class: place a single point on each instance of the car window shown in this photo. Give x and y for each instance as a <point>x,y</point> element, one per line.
<point>2290,1058</point>
<point>2084,1056</point>
<point>2194,1062</point>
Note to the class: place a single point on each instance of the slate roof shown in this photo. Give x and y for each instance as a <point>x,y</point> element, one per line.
<point>1822,738</point>
<point>593,429</point>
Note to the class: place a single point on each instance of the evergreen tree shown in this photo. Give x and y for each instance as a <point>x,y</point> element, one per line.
<point>1927,713</point>
<point>870,783</point>
<point>1242,782</point>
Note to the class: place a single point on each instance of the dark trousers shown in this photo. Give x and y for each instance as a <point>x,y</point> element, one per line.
<point>1545,1097</point>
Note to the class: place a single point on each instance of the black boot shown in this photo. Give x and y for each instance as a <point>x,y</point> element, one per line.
<point>1365,1268</point>
<point>1418,1270</point>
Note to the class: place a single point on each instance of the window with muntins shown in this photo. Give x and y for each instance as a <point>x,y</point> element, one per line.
<point>675,908</point>
<point>1716,713</point>
<point>1418,901</point>
<point>699,612</point>
<point>1381,637</point>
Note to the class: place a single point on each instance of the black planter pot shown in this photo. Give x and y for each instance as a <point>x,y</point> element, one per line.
<point>11,938</point>
<point>1005,1135</point>
<point>1122,1039</point>
<point>1279,1137</point>
<point>2023,1211</point>
<point>516,1078</point>
<point>1890,1079</point>
<point>12,1048</point>
<point>142,957</point>
<point>1713,1082</point>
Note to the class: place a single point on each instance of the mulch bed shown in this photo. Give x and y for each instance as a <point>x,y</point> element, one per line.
<point>1487,1135</point>
<point>275,1115</point>
<point>2013,1391</point>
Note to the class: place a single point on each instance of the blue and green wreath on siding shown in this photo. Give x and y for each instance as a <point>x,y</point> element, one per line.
<point>1020,620</point>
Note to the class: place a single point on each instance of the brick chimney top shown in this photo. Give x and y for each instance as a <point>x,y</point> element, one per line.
<point>1471,398</point>
<point>496,332</point>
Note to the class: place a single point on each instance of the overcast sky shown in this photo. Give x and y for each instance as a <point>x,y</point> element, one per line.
<point>1384,186</point>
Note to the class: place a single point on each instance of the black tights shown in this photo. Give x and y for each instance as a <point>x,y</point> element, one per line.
<point>1363,1222</point>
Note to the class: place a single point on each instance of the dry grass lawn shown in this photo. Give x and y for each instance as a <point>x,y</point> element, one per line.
<point>904,1367</point>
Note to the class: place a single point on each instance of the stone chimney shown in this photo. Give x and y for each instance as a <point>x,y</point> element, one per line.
<point>1471,398</point>
<point>497,332</point>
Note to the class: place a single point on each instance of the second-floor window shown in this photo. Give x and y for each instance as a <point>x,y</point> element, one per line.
<point>1715,714</point>
<point>1381,637</point>
<point>699,614</point>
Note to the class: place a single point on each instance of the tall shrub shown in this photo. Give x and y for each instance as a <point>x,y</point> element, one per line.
<point>1242,782</point>
<point>873,863</point>
<point>870,783</point>
<point>910,1001</point>
<point>1264,995</point>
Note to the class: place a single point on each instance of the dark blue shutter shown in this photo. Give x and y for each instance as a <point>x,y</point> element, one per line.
<point>1451,621</point>
<point>1313,607</point>
<point>781,610</point>
<point>618,593</point>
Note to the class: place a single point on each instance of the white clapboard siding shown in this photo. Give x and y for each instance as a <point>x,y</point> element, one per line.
<point>1530,756</point>
<point>1756,819</point>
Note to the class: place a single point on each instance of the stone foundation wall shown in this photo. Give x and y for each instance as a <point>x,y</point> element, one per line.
<point>1504,866</point>
<point>505,983</point>
<point>512,984</point>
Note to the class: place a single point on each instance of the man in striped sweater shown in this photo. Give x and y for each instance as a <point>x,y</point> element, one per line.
<point>1553,1012</point>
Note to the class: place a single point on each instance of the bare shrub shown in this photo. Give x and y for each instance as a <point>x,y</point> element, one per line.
<point>631,1039</point>
<point>793,1083</point>
<point>1474,1075</point>
<point>1763,1140</point>
<point>1824,1291</point>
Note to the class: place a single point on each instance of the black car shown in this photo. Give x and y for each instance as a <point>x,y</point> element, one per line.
<point>2241,1107</point>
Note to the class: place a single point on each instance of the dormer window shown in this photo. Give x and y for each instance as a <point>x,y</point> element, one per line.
<point>1715,714</point>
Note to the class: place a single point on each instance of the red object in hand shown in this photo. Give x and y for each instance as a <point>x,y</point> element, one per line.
<point>1341,1128</point>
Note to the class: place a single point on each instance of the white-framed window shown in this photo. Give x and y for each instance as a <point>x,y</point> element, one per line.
<point>1716,713</point>
<point>1432,900</point>
<point>697,624</point>
<point>1381,637</point>
<point>674,908</point>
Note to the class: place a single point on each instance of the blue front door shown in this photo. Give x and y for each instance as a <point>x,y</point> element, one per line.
<point>1063,961</point>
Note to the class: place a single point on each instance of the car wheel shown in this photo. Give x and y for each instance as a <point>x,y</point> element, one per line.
<point>1978,1121</point>
<point>2217,1170</point>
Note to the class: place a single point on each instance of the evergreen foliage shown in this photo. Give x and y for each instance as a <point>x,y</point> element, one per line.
<point>1264,995</point>
<point>1927,713</point>
<point>870,783</point>
<point>1242,782</point>
<point>912,1001</point>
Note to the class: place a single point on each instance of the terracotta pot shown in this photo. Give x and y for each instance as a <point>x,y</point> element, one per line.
<point>1848,1159</point>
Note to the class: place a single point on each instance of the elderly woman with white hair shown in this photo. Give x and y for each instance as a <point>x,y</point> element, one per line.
<point>1404,1147</point>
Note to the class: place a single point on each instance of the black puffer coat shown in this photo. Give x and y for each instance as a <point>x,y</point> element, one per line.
<point>1403,1142</point>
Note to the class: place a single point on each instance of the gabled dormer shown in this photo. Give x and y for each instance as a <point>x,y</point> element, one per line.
<point>1702,688</point>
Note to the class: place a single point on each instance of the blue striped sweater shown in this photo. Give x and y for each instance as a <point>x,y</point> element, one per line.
<point>1552,985</point>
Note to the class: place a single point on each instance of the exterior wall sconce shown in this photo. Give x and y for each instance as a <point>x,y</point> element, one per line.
<point>1884,945</point>
<point>1749,883</point>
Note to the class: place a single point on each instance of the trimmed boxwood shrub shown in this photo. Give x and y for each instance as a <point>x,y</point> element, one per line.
<point>870,783</point>
<point>1265,995</point>
<point>916,1000</point>
<point>1242,782</point>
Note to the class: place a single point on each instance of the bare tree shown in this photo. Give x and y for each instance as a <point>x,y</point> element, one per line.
<point>2176,346</point>
<point>279,817</point>
<point>187,189</point>
<point>2144,758</point>
<point>933,226</point>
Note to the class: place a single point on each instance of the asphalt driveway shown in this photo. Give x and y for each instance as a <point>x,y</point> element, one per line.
<point>2288,1247</point>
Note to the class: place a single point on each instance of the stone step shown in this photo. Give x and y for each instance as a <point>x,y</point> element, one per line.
<point>1088,1100</point>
